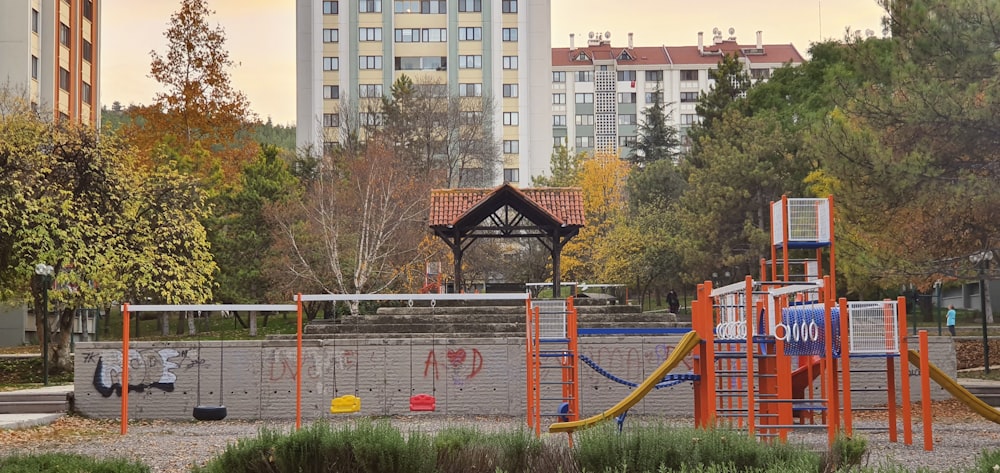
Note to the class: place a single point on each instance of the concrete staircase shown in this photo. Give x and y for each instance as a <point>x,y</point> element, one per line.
<point>988,391</point>
<point>458,320</point>
<point>49,400</point>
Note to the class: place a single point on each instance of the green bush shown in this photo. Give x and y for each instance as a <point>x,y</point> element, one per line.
<point>665,448</point>
<point>67,463</point>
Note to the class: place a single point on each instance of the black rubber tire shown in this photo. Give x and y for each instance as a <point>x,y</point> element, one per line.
<point>210,412</point>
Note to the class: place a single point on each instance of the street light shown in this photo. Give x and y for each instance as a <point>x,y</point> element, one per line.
<point>982,262</point>
<point>44,273</point>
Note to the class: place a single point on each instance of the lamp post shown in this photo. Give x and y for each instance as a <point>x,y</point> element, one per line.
<point>937,291</point>
<point>982,262</point>
<point>44,273</point>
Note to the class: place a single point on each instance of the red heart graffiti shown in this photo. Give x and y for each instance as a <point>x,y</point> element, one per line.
<point>456,357</point>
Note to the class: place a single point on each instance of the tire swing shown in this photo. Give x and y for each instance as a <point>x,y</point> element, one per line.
<point>208,412</point>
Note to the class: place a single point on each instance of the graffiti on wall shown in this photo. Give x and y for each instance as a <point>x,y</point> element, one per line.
<point>280,366</point>
<point>634,363</point>
<point>459,365</point>
<point>148,369</point>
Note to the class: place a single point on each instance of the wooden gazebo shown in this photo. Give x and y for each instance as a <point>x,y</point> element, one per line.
<point>553,215</point>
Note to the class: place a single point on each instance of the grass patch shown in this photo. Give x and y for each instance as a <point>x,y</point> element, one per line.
<point>68,463</point>
<point>26,372</point>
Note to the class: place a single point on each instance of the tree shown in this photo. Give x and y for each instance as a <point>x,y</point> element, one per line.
<point>239,231</point>
<point>356,230</point>
<point>729,89</point>
<point>440,135</point>
<point>565,169</point>
<point>657,140</point>
<point>602,179</point>
<point>199,110</point>
<point>71,198</point>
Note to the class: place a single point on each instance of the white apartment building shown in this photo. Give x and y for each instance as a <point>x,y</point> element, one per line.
<point>599,91</point>
<point>495,48</point>
<point>49,51</point>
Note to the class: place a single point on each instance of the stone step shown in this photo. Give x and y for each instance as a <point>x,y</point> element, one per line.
<point>499,310</point>
<point>989,394</point>
<point>405,318</point>
<point>34,407</point>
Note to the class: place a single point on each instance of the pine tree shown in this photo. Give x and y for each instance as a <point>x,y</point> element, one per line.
<point>657,140</point>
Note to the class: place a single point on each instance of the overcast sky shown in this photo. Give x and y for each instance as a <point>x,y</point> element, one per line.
<point>261,35</point>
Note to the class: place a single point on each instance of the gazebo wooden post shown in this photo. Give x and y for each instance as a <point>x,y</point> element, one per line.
<point>556,250</point>
<point>456,251</point>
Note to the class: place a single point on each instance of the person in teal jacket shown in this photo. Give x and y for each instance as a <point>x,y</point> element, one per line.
<point>950,320</point>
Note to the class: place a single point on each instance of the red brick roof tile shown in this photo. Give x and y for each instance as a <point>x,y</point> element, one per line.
<point>563,204</point>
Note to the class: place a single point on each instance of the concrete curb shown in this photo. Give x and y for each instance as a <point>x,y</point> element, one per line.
<point>23,421</point>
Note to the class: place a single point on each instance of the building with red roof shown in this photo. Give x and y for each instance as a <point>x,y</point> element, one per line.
<point>599,90</point>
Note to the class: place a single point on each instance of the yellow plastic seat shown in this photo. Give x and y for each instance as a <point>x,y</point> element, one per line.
<point>345,404</point>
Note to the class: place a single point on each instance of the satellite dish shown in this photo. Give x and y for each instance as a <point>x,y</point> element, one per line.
<point>716,30</point>
<point>732,31</point>
<point>607,35</point>
<point>591,35</point>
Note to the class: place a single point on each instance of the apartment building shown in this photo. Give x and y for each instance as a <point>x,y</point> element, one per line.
<point>355,49</point>
<point>599,91</point>
<point>49,51</point>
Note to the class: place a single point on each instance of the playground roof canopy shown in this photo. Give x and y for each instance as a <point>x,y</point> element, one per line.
<point>544,206</point>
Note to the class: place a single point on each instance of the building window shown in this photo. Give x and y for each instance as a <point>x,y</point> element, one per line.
<point>688,119</point>
<point>509,34</point>
<point>626,76</point>
<point>584,76</point>
<point>689,97</point>
<point>627,119</point>
<point>470,62</point>
<point>510,62</point>
<point>584,98</point>
<point>369,34</point>
<point>331,92</point>
<point>509,6</point>
<point>422,63</point>
<point>558,120</point>
<point>370,90</point>
<point>470,90</point>
<point>510,90</point>
<point>470,5</point>
<point>511,174</point>
<point>88,9</point>
<point>654,76</point>
<point>64,34</point>
<point>370,6</point>
<point>421,6</point>
<point>626,97</point>
<point>331,120</point>
<point>331,8</point>
<point>559,99</point>
<point>64,79</point>
<point>584,141</point>
<point>470,33</point>
<point>416,35</point>
<point>689,74</point>
<point>558,76</point>
<point>654,97</point>
<point>34,67</point>
<point>585,120</point>
<point>511,147</point>
<point>85,93</point>
<point>331,64</point>
<point>369,62</point>
<point>34,20</point>
<point>627,141</point>
<point>760,74</point>
<point>331,35</point>
<point>88,51</point>
<point>370,118</point>
<point>472,117</point>
<point>510,119</point>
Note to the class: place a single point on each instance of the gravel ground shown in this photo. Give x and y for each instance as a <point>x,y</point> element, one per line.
<point>959,438</point>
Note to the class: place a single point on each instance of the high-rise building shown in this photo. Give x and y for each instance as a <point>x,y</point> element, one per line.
<point>599,91</point>
<point>352,49</point>
<point>49,52</point>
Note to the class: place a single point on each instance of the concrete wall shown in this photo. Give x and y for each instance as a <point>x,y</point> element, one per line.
<point>483,376</point>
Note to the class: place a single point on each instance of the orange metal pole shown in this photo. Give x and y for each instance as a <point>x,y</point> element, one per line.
<point>890,374</point>
<point>784,235</point>
<point>833,259</point>
<point>537,360</point>
<point>529,368</point>
<point>748,302</point>
<point>574,393</point>
<point>832,422</point>
<point>298,364</point>
<point>904,373</point>
<point>925,390</point>
<point>125,340</point>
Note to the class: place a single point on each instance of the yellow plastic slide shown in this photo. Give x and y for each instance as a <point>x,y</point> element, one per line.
<point>688,343</point>
<point>957,391</point>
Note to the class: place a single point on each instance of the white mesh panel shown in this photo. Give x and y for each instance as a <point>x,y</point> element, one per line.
<point>873,327</point>
<point>551,318</point>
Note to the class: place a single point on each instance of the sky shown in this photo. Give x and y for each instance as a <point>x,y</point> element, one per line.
<point>261,36</point>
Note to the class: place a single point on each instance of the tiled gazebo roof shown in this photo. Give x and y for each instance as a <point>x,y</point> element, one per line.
<point>561,205</point>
